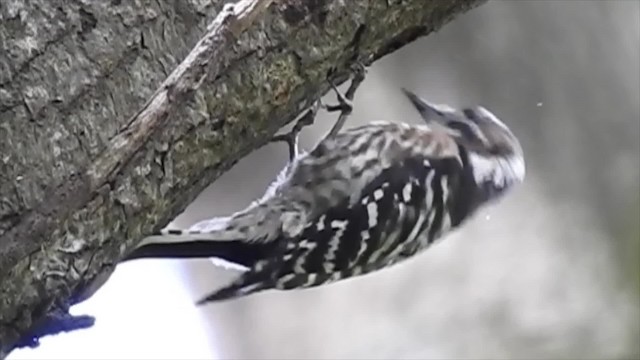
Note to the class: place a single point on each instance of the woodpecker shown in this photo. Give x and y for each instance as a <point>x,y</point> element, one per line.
<point>363,199</point>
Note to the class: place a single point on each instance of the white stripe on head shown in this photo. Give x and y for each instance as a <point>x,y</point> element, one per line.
<point>483,112</point>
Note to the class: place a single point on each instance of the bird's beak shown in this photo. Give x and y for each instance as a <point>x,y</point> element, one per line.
<point>436,116</point>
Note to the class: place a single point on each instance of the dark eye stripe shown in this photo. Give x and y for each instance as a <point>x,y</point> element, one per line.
<point>464,129</point>
<point>470,115</point>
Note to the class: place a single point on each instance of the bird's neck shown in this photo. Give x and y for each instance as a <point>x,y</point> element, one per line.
<point>496,174</point>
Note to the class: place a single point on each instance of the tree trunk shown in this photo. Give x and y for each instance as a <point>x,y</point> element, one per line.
<point>103,142</point>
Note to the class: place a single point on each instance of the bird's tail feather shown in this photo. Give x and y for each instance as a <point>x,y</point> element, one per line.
<point>217,239</point>
<point>216,229</point>
<point>242,238</point>
<point>179,247</point>
<point>247,284</point>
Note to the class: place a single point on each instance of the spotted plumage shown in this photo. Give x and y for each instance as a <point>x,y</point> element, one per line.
<point>363,199</point>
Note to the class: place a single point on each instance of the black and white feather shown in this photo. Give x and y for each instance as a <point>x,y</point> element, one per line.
<point>360,201</point>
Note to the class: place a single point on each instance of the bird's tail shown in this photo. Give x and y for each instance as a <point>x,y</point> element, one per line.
<point>245,285</point>
<point>223,238</point>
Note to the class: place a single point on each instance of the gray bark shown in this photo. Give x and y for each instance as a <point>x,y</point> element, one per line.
<point>103,142</point>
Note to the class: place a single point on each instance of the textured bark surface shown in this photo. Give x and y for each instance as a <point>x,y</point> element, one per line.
<point>77,77</point>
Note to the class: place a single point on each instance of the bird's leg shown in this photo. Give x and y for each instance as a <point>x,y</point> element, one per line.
<point>291,138</point>
<point>345,105</point>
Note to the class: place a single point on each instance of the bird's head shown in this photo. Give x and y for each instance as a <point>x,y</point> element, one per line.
<point>494,151</point>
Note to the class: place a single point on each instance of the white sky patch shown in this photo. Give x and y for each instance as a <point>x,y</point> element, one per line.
<point>143,312</point>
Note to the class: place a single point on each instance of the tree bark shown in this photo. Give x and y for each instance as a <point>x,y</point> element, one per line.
<point>103,142</point>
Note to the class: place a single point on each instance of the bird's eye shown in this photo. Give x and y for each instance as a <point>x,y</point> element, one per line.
<point>470,115</point>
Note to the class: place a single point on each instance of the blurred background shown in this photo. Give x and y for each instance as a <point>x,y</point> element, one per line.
<point>550,272</point>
